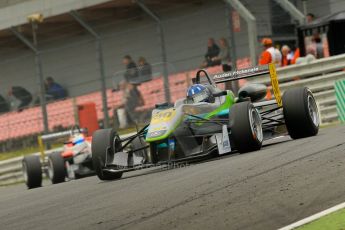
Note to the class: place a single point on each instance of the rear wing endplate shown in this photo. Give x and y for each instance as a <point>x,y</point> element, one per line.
<point>253,72</point>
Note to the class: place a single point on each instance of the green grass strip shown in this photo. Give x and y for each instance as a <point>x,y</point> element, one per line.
<point>332,221</point>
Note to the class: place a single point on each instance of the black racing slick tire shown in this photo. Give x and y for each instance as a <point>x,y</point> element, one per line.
<point>300,113</point>
<point>105,142</point>
<point>56,168</point>
<point>246,127</point>
<point>32,171</point>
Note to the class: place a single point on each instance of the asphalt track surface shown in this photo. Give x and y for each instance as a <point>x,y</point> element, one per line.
<point>284,182</point>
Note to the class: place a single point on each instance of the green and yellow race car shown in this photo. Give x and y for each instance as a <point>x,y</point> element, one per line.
<point>208,122</point>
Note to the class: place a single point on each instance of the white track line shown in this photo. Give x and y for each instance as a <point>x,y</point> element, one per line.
<point>314,217</point>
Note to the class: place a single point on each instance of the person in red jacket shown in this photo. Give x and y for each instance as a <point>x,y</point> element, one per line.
<point>295,56</point>
<point>270,54</point>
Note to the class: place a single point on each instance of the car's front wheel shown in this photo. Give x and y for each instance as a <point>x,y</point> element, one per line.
<point>246,127</point>
<point>32,171</point>
<point>105,142</point>
<point>56,168</point>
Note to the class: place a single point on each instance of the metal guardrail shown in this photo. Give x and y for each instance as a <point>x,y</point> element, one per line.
<point>319,75</point>
<point>11,170</point>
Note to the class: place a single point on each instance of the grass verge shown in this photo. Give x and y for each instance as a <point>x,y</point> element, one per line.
<point>332,221</point>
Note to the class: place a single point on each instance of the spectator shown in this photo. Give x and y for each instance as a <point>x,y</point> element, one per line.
<point>270,54</point>
<point>131,99</point>
<point>296,55</point>
<point>4,105</point>
<point>144,69</point>
<point>21,95</point>
<point>308,58</point>
<point>54,91</point>
<point>212,52</point>
<point>310,18</point>
<point>131,74</point>
<point>224,55</point>
<point>286,56</point>
<point>318,46</point>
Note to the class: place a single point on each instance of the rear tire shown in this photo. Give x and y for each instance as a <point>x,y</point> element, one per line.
<point>246,127</point>
<point>300,113</point>
<point>56,168</point>
<point>105,142</point>
<point>32,171</point>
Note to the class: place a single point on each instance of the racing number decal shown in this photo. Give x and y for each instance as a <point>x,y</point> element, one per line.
<point>275,84</point>
<point>163,116</point>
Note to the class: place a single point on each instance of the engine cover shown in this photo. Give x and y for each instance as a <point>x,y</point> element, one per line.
<point>254,91</point>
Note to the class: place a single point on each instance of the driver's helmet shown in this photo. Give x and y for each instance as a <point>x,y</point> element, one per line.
<point>198,93</point>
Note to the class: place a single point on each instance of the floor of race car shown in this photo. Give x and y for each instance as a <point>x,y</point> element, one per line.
<point>267,189</point>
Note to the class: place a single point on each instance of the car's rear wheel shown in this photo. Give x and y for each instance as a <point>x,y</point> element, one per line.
<point>105,142</point>
<point>300,113</point>
<point>246,127</point>
<point>56,168</point>
<point>32,171</point>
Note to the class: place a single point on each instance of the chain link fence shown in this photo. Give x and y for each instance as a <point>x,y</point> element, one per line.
<point>70,56</point>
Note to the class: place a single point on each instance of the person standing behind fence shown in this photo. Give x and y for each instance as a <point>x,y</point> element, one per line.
<point>224,55</point>
<point>144,69</point>
<point>21,95</point>
<point>131,99</point>
<point>318,46</point>
<point>269,54</point>
<point>131,73</point>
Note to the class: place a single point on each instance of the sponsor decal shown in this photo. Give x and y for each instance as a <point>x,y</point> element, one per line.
<point>275,85</point>
<point>236,73</point>
<point>163,116</point>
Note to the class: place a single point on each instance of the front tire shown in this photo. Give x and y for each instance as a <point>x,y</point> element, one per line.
<point>300,113</point>
<point>105,142</point>
<point>32,171</point>
<point>56,168</point>
<point>246,127</point>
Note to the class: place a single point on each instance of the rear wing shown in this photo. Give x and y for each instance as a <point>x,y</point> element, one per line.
<point>255,71</point>
<point>53,136</point>
<point>41,139</point>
